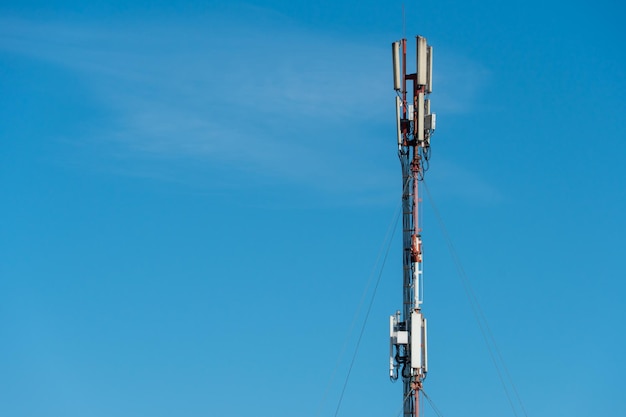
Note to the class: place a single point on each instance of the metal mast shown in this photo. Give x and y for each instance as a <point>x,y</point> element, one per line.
<point>408,355</point>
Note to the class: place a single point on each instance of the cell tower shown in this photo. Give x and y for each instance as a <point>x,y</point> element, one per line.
<point>408,356</point>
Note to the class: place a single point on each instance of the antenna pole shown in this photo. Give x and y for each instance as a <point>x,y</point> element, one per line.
<point>415,124</point>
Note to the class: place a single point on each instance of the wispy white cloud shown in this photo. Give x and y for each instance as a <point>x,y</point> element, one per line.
<point>274,100</point>
<point>458,82</point>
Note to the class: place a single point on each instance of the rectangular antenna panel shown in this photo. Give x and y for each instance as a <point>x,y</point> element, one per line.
<point>429,70</point>
<point>431,122</point>
<point>417,340</point>
<point>398,115</point>
<point>422,66</point>
<point>419,123</point>
<point>395,50</point>
<point>425,346</point>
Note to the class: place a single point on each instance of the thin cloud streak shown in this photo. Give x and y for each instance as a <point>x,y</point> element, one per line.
<point>458,81</point>
<point>274,101</point>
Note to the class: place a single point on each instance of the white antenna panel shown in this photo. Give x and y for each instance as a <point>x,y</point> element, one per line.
<point>419,123</point>
<point>417,340</point>
<point>429,70</point>
<point>422,53</point>
<point>398,114</point>
<point>395,50</point>
<point>425,328</point>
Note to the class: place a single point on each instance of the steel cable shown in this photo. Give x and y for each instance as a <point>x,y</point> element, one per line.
<point>386,244</point>
<point>367,313</point>
<point>478,313</point>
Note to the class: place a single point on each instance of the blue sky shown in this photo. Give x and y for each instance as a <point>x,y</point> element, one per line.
<point>194,197</point>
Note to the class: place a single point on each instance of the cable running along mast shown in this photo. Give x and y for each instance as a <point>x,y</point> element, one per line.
<point>408,357</point>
